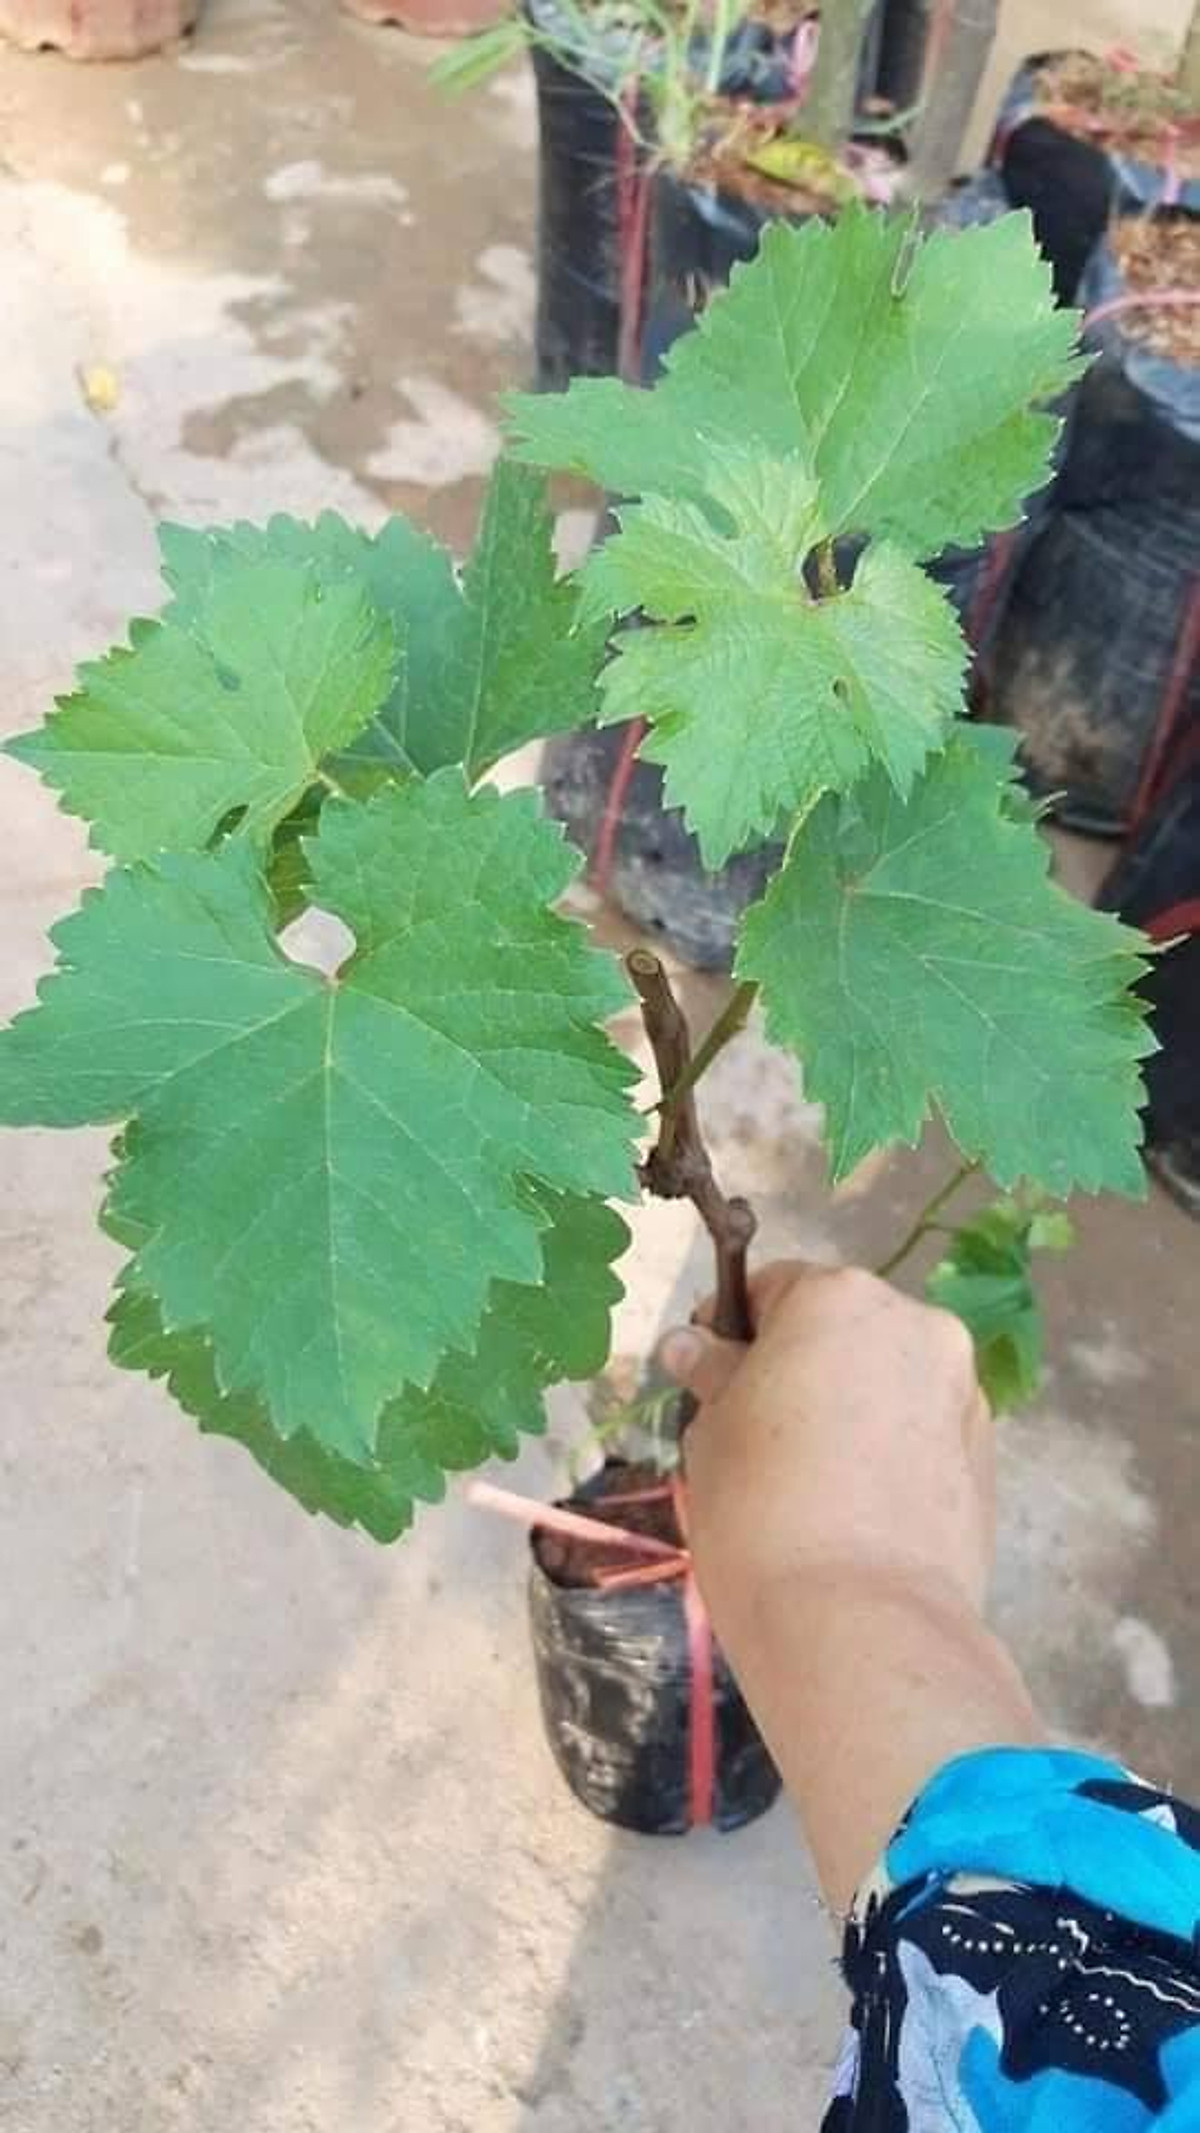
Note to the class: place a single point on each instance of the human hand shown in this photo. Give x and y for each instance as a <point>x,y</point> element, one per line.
<point>840,1513</point>
<point>852,1434</point>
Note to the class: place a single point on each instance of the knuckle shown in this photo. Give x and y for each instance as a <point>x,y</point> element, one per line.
<point>854,1286</point>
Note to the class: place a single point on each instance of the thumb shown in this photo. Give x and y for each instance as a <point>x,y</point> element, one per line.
<point>699,1361</point>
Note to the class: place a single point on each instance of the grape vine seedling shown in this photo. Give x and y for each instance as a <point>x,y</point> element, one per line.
<point>367,1217</point>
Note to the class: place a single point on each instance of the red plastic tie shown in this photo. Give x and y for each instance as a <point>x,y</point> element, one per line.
<point>633,213</point>
<point>605,848</point>
<point>1177,922</point>
<point>1153,299</point>
<point>1165,761</point>
<point>702,1736</point>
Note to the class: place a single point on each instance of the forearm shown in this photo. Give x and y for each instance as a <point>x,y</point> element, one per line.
<point>864,1681</point>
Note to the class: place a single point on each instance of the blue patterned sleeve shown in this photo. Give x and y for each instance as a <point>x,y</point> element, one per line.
<point>1027,1957</point>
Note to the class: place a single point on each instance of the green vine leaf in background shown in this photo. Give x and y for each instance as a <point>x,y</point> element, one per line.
<point>916,954</point>
<point>488,663</point>
<point>330,1176</point>
<point>821,396</point>
<point>478,1406</point>
<point>234,711</point>
<point>985,1277</point>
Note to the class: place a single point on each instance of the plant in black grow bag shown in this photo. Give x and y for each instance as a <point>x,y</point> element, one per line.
<point>1079,133</point>
<point>643,1717</point>
<point>362,1209</point>
<point>1093,661</point>
<point>611,76</point>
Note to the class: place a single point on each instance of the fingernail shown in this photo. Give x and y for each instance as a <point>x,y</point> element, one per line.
<point>680,1350</point>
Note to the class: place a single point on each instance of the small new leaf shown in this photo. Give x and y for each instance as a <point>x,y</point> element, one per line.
<point>801,694</point>
<point>488,664</point>
<point>477,1407</point>
<point>229,713</point>
<point>330,1174</point>
<point>985,1277</point>
<point>916,954</point>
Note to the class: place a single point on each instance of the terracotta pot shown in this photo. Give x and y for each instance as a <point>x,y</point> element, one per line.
<point>430,18</point>
<point>97,29</point>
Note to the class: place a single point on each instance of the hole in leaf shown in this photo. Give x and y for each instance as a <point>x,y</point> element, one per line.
<point>318,940</point>
<point>226,826</point>
<point>848,550</point>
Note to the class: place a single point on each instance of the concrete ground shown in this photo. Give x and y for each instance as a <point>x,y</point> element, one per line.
<point>281,1848</point>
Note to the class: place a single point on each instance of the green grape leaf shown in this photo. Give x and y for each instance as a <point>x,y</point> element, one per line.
<point>488,664</point>
<point>910,395</point>
<point>515,668</point>
<point>330,1173</point>
<point>630,441</point>
<point>477,1407</point>
<point>985,1277</point>
<point>801,694</point>
<point>916,953</point>
<point>404,574</point>
<point>229,713</point>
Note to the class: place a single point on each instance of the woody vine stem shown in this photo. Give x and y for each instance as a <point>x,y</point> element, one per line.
<point>679,1166</point>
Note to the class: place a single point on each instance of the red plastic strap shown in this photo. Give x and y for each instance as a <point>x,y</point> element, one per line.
<point>702,1741</point>
<point>1166,759</point>
<point>1179,920</point>
<point>702,1744</point>
<point>605,848</point>
<point>1156,299</point>
<point>991,579</point>
<point>633,210</point>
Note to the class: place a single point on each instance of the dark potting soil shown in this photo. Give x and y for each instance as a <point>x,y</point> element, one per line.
<point>723,170</point>
<point>572,1562</point>
<point>1119,107</point>
<point>1156,252</point>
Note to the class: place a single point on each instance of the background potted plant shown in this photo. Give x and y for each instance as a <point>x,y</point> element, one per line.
<point>365,1206</point>
<point>427,18</point>
<point>97,29</point>
<point>616,80</point>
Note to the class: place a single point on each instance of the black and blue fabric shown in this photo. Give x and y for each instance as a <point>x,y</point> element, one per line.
<point>1027,1957</point>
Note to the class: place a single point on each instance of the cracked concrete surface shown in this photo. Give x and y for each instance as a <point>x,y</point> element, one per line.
<point>281,1848</point>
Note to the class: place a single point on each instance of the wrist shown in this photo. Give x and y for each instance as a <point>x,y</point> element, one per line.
<point>865,1676</point>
